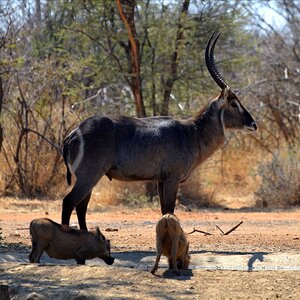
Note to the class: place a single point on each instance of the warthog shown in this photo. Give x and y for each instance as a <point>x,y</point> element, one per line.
<point>172,242</point>
<point>64,242</point>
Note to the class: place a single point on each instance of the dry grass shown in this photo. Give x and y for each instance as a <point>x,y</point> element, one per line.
<point>280,180</point>
<point>229,179</point>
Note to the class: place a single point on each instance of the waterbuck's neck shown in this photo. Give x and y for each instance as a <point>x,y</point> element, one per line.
<point>209,129</point>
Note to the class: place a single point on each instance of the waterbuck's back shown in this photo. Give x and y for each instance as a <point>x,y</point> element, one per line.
<point>136,149</point>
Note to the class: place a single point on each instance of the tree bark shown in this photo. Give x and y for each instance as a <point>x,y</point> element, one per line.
<point>175,57</point>
<point>1,101</point>
<point>126,12</point>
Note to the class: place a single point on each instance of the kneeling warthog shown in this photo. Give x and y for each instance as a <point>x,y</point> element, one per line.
<point>64,242</point>
<point>172,242</point>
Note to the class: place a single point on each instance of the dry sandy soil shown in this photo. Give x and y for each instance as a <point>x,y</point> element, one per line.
<point>259,260</point>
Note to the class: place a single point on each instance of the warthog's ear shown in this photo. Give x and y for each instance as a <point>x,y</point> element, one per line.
<point>99,234</point>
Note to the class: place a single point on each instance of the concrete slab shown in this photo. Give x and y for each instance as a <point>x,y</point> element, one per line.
<point>240,261</point>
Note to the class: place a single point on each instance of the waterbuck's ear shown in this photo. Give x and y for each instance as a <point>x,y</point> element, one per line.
<point>224,94</point>
<point>99,234</point>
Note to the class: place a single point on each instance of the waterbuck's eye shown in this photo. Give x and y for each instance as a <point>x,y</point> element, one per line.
<point>233,104</point>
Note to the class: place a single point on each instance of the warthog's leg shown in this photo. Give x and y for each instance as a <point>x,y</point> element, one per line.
<point>37,251</point>
<point>33,250</point>
<point>159,242</point>
<point>174,250</point>
<point>80,261</point>
<point>167,191</point>
<point>81,209</point>
<point>81,254</point>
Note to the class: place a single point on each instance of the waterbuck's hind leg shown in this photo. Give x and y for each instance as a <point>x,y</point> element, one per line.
<point>81,209</point>
<point>88,174</point>
<point>167,193</point>
<point>80,192</point>
<point>160,188</point>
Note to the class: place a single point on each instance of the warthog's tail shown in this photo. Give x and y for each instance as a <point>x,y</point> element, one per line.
<point>173,225</point>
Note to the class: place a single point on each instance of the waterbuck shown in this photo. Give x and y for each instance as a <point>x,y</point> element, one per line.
<point>161,149</point>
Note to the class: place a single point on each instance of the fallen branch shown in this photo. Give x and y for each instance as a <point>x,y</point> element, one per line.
<point>220,229</point>
<point>197,230</point>
<point>223,233</point>
<point>233,228</point>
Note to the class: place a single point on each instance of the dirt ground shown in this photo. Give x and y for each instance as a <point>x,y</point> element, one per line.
<point>263,235</point>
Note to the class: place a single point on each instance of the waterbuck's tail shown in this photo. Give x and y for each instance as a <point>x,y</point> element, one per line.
<point>65,155</point>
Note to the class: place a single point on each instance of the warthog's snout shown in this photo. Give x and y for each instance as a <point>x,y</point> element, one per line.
<point>110,260</point>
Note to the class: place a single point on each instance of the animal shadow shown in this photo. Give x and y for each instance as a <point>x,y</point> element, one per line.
<point>183,274</point>
<point>256,256</point>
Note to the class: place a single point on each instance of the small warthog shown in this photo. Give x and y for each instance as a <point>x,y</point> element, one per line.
<point>172,242</point>
<point>64,242</point>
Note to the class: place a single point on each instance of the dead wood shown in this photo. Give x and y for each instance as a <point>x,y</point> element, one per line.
<point>233,228</point>
<point>197,230</point>
<point>223,233</point>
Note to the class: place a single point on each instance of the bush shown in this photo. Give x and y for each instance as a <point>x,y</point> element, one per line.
<point>280,180</point>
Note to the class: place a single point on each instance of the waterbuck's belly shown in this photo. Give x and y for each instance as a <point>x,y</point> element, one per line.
<point>132,175</point>
<point>150,172</point>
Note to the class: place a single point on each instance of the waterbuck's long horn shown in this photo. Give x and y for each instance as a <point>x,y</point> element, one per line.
<point>210,61</point>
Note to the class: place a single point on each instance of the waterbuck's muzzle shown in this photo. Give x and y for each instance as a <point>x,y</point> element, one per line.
<point>252,127</point>
<point>249,123</point>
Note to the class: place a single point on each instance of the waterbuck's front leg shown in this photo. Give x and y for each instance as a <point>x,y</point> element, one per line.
<point>167,191</point>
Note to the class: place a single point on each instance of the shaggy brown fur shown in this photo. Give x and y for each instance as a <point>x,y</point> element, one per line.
<point>63,242</point>
<point>172,242</point>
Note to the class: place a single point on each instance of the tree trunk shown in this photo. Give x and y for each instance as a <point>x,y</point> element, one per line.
<point>1,101</point>
<point>126,11</point>
<point>171,78</point>
<point>127,16</point>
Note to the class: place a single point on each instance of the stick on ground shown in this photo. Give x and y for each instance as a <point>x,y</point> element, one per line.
<point>223,233</point>
<point>233,228</point>
<point>197,230</point>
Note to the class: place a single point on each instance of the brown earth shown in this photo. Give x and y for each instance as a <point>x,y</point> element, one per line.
<point>132,233</point>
